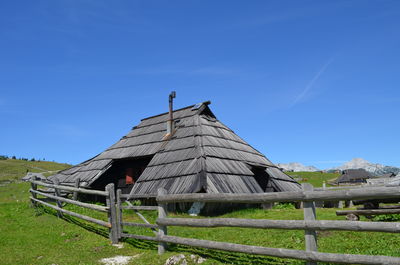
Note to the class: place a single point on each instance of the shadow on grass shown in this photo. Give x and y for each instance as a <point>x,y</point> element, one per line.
<point>221,256</point>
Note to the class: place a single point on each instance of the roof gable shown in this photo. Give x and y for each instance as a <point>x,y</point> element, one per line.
<point>201,154</point>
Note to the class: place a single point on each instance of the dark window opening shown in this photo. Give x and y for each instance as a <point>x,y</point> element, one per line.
<point>124,173</point>
<point>262,178</point>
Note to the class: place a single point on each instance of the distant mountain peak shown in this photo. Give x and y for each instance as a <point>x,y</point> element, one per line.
<point>374,168</point>
<point>295,166</point>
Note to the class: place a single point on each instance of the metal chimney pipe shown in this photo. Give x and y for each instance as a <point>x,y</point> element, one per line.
<point>170,122</point>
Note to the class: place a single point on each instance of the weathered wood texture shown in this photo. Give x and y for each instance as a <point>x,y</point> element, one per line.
<point>57,192</point>
<point>33,187</point>
<point>78,203</point>
<point>68,188</point>
<point>306,196</point>
<point>142,208</point>
<point>381,207</point>
<point>119,213</point>
<point>369,212</point>
<point>139,225</point>
<point>76,185</point>
<point>112,213</point>
<point>138,196</point>
<point>310,215</point>
<point>321,225</point>
<point>162,230</point>
<point>81,216</point>
<point>281,252</point>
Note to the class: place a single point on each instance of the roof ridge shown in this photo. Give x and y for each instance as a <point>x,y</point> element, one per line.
<point>202,172</point>
<point>164,113</point>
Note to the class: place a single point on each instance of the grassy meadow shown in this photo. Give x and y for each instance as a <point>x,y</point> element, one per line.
<point>314,178</point>
<point>14,169</point>
<point>36,236</point>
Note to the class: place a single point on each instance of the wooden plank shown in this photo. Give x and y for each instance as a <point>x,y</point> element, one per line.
<point>310,215</point>
<point>78,203</point>
<point>112,213</point>
<point>81,216</point>
<point>322,225</point>
<point>138,196</point>
<point>282,253</point>
<point>162,230</point>
<point>76,185</point>
<point>68,188</point>
<point>58,194</point>
<point>369,212</point>
<point>381,207</point>
<point>328,195</point>
<point>151,238</point>
<point>33,187</point>
<point>139,225</point>
<point>119,212</point>
<point>143,208</point>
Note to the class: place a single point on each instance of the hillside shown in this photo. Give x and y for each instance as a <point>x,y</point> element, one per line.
<point>314,178</point>
<point>14,169</point>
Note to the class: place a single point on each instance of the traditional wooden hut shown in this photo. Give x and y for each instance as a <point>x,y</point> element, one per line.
<point>353,176</point>
<point>184,151</point>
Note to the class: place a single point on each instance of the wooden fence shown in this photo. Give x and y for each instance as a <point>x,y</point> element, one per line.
<point>310,224</point>
<point>58,193</point>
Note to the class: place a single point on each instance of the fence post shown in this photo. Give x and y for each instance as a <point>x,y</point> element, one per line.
<point>162,230</point>
<point>119,213</point>
<point>34,195</point>
<point>112,214</point>
<point>76,185</point>
<point>57,192</point>
<point>310,215</point>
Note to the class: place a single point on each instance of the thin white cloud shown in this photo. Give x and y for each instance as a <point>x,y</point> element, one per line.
<point>311,83</point>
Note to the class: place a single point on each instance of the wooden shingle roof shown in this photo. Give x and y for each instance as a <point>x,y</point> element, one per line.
<point>202,155</point>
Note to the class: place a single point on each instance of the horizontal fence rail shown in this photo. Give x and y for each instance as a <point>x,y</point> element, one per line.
<point>138,196</point>
<point>69,188</point>
<point>283,224</point>
<point>81,216</point>
<point>56,195</point>
<point>78,203</point>
<point>304,196</point>
<point>143,208</point>
<point>139,225</point>
<point>114,209</point>
<point>281,252</point>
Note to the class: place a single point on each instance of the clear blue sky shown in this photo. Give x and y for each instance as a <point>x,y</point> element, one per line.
<point>315,82</point>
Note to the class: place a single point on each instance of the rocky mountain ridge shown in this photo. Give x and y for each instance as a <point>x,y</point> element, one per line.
<point>355,163</point>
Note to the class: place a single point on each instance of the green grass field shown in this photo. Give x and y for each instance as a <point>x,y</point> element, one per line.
<point>314,178</point>
<point>14,169</point>
<point>36,236</point>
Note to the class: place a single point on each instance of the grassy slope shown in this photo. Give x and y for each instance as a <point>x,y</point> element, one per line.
<point>314,178</point>
<point>13,169</point>
<point>31,236</point>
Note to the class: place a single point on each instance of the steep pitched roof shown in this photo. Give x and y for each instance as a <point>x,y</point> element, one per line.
<point>352,175</point>
<point>143,140</point>
<point>201,155</point>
